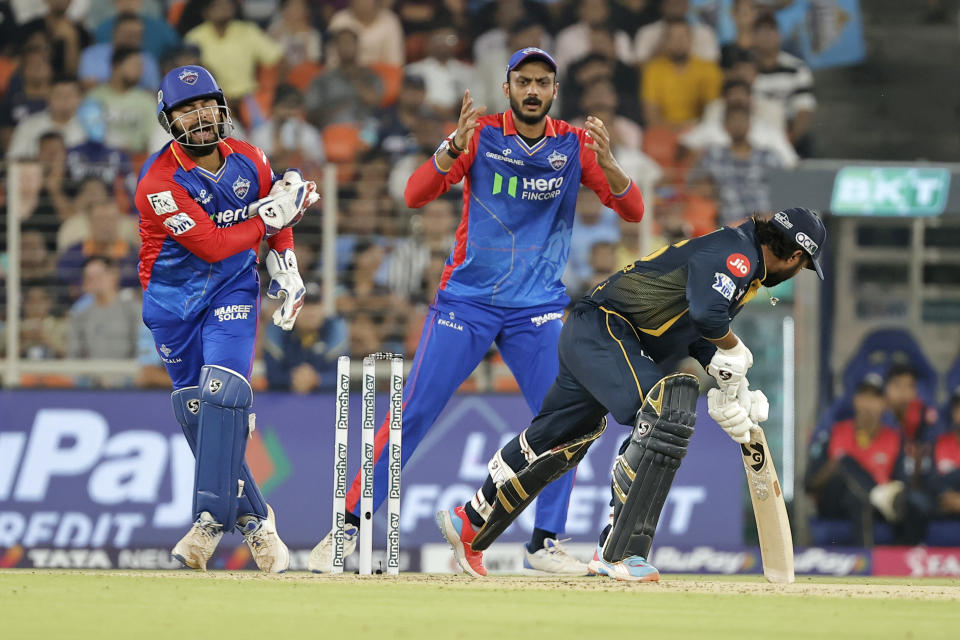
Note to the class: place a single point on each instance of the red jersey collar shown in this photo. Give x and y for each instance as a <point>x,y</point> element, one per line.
<point>510,129</point>
<point>187,163</point>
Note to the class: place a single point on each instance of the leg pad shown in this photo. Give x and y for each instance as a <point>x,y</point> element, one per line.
<point>224,426</point>
<point>516,490</point>
<point>643,473</point>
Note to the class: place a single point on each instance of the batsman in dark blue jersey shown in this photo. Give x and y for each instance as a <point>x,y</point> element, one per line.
<point>679,300</point>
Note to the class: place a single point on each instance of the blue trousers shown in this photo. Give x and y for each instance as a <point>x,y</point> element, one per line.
<point>223,335</point>
<point>456,335</point>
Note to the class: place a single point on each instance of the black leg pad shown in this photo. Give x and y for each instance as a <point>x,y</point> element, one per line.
<point>516,490</point>
<point>643,473</point>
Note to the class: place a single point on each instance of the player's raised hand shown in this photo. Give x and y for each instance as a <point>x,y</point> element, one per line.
<point>600,142</point>
<point>467,123</point>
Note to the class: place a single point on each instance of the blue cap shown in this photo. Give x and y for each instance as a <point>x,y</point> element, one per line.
<point>530,53</point>
<point>804,227</point>
<point>187,83</point>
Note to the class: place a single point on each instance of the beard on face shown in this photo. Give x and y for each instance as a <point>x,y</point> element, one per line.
<point>193,148</point>
<point>529,118</point>
<point>774,278</point>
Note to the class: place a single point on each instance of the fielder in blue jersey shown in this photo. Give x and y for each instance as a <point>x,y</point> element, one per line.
<point>501,283</point>
<point>206,200</point>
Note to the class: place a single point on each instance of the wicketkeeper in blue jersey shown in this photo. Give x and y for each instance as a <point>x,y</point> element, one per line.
<point>501,284</point>
<point>206,200</point>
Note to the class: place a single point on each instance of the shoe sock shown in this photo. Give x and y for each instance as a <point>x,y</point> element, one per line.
<point>536,540</point>
<point>475,519</point>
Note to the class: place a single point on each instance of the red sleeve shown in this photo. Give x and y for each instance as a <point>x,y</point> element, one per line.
<point>628,204</point>
<point>165,206</point>
<point>430,181</point>
<point>284,239</point>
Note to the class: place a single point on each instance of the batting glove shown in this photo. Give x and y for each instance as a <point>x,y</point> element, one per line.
<point>286,285</point>
<point>754,402</point>
<point>729,367</point>
<point>286,203</point>
<point>731,416</point>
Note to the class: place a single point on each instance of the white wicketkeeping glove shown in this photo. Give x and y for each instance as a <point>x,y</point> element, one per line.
<point>729,367</point>
<point>755,402</point>
<point>730,415</point>
<point>286,203</point>
<point>285,284</point>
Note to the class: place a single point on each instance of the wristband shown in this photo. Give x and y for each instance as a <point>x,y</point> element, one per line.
<point>453,145</point>
<point>453,154</point>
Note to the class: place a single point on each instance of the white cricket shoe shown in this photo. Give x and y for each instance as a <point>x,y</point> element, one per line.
<point>321,558</point>
<point>553,560</point>
<point>195,548</point>
<point>269,551</point>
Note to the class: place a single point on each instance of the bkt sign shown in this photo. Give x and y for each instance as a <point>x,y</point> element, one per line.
<point>890,191</point>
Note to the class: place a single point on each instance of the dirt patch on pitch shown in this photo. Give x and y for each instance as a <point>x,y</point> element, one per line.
<point>900,589</point>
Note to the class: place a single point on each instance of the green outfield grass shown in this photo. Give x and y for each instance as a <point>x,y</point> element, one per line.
<point>179,604</point>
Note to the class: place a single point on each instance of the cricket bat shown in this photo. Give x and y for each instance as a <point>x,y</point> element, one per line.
<point>773,526</point>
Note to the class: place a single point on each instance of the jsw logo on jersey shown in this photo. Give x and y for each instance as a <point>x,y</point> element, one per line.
<point>229,217</point>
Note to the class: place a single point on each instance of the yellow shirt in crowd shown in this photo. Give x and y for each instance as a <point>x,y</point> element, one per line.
<point>681,93</point>
<point>233,57</point>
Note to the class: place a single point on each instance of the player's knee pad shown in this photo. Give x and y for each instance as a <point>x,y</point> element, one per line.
<point>644,471</point>
<point>224,426</point>
<point>186,408</point>
<point>519,482</point>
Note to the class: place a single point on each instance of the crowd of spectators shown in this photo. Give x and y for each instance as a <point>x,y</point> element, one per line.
<point>699,119</point>
<point>894,462</point>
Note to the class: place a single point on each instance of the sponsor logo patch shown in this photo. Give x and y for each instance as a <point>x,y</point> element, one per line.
<point>503,158</point>
<point>162,202</point>
<point>215,385</point>
<point>204,197</point>
<point>545,318</point>
<point>738,264</point>
<point>806,242</point>
<point>724,285</point>
<point>232,312</point>
<point>241,186</point>
<point>783,219</point>
<point>179,223</point>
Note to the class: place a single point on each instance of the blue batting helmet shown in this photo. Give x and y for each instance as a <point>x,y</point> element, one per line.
<point>185,84</point>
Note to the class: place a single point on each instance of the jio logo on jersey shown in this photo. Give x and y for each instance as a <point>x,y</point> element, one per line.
<point>738,264</point>
<point>241,186</point>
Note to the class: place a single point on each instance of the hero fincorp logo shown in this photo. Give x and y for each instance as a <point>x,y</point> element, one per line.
<point>531,188</point>
<point>230,217</point>
<point>118,481</point>
<point>232,312</point>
